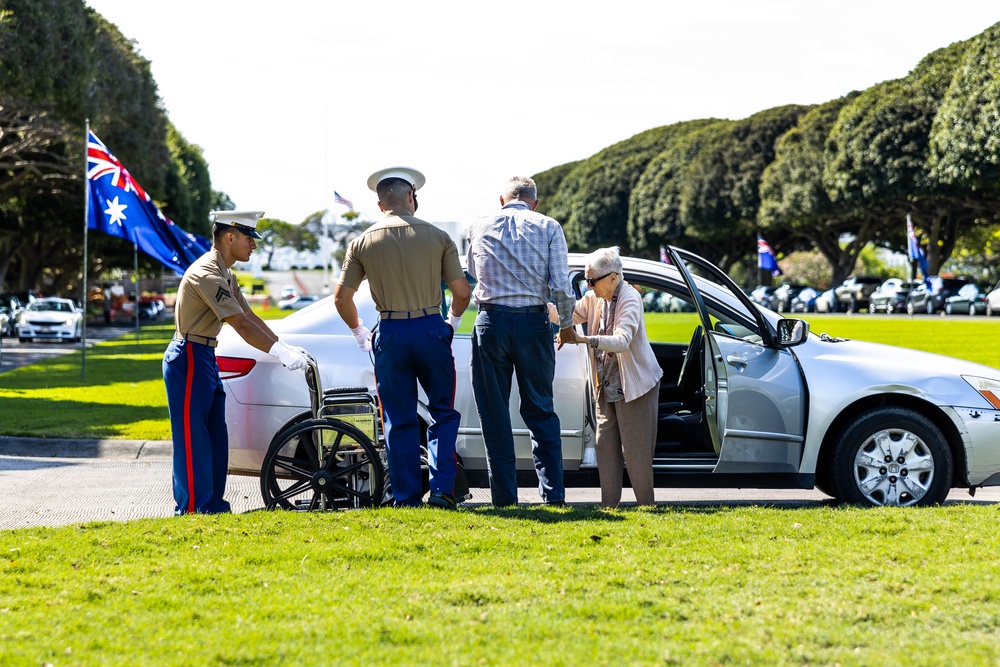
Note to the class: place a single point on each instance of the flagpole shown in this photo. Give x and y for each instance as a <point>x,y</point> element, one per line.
<point>135,279</point>
<point>86,220</point>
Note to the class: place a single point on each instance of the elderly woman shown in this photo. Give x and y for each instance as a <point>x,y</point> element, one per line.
<point>627,377</point>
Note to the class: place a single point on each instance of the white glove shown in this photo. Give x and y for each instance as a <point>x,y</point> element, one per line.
<point>291,359</point>
<point>362,335</point>
<point>454,320</point>
<point>301,350</point>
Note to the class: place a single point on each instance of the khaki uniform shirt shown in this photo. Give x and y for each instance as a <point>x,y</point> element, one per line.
<point>404,259</point>
<point>208,294</point>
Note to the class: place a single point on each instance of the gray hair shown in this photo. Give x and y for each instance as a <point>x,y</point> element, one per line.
<point>520,187</point>
<point>605,260</point>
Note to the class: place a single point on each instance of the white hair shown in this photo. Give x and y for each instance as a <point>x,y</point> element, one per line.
<point>605,260</point>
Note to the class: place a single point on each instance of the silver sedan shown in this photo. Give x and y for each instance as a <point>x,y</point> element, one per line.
<point>748,400</point>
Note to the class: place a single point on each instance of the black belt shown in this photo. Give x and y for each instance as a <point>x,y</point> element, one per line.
<point>194,338</point>
<point>407,314</point>
<point>515,310</point>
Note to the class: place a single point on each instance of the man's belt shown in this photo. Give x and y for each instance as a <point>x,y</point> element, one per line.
<point>407,314</point>
<point>195,338</point>
<point>515,310</point>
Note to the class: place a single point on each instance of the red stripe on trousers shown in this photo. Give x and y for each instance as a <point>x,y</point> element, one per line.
<point>187,425</point>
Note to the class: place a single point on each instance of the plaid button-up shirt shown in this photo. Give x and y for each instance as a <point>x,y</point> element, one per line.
<point>518,258</point>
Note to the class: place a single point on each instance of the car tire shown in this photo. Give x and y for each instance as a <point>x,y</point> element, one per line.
<point>972,310</point>
<point>919,466</point>
<point>989,310</point>
<point>947,309</point>
<point>872,308</point>
<point>24,340</point>
<point>852,305</point>
<point>929,307</point>
<point>909,308</point>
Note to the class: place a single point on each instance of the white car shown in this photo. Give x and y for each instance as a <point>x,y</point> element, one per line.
<point>297,302</point>
<point>748,399</point>
<point>50,318</point>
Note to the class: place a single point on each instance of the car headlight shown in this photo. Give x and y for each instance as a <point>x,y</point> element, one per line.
<point>70,321</point>
<point>989,389</point>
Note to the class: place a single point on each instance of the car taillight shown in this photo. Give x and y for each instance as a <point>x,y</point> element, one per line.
<point>234,367</point>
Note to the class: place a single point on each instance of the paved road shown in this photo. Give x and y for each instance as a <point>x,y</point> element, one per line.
<point>14,354</point>
<point>120,481</point>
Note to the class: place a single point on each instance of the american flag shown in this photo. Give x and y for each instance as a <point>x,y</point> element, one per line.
<point>340,199</point>
<point>663,255</point>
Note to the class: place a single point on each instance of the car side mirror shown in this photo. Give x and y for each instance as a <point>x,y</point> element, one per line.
<point>792,332</point>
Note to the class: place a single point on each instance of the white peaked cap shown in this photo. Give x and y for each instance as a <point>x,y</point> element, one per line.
<point>245,221</point>
<point>411,176</point>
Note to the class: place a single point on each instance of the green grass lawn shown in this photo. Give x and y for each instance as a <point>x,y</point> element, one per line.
<point>673,585</point>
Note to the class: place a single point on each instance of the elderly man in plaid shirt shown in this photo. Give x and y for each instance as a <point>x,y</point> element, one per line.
<point>519,260</point>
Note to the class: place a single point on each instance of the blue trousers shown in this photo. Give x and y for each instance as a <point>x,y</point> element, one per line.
<point>409,351</point>
<point>197,404</point>
<point>508,341</point>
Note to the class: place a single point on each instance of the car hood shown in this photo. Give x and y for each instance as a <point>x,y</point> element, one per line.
<point>841,371</point>
<point>50,316</point>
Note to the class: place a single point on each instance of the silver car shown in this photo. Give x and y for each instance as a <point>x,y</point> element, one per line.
<point>748,399</point>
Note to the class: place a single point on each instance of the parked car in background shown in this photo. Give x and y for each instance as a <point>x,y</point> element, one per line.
<point>150,308</point>
<point>298,302</point>
<point>6,321</point>
<point>826,302</point>
<point>781,298</point>
<point>890,297</point>
<point>929,296</point>
<point>761,295</point>
<point>749,399</point>
<point>969,299</point>
<point>804,301</point>
<point>993,301</point>
<point>287,292</point>
<point>50,317</point>
<point>853,293</point>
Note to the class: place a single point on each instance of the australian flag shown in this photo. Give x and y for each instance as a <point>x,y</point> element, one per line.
<point>766,259</point>
<point>913,248</point>
<point>120,207</point>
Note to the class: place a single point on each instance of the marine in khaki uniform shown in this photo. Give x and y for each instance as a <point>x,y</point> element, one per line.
<point>405,259</point>
<point>208,296</point>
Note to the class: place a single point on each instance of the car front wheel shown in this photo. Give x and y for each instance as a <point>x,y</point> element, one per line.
<point>892,456</point>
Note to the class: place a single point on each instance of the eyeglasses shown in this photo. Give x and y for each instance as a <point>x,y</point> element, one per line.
<point>593,281</point>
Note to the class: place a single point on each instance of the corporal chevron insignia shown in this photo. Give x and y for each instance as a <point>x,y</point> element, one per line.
<point>221,294</point>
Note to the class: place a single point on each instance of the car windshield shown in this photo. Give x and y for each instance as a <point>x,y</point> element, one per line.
<point>51,306</point>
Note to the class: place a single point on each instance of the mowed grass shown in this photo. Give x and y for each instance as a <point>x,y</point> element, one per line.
<point>693,584</point>
<point>675,585</point>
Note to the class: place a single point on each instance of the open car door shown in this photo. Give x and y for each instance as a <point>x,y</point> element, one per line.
<point>755,401</point>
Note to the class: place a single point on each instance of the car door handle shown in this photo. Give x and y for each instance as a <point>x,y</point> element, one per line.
<point>734,360</point>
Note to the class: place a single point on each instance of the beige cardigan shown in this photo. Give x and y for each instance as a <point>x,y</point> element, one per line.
<point>639,368</point>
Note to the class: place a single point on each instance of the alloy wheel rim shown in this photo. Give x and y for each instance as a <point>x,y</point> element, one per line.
<point>895,467</point>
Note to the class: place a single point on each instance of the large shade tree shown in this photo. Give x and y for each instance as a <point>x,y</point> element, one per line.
<point>877,161</point>
<point>721,192</point>
<point>794,200</point>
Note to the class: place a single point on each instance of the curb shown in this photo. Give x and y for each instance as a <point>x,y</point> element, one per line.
<point>85,448</point>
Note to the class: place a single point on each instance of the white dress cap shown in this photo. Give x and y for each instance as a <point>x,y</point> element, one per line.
<point>411,176</point>
<point>245,221</point>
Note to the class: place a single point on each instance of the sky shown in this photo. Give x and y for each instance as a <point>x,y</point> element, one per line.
<point>292,100</point>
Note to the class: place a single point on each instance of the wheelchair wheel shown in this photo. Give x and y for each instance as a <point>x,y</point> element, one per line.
<point>322,465</point>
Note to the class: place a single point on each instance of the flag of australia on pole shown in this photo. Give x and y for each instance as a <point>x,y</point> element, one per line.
<point>120,207</point>
<point>766,259</point>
